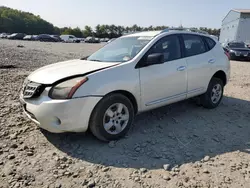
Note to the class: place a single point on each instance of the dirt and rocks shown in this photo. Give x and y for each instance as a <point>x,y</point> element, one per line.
<point>181,145</point>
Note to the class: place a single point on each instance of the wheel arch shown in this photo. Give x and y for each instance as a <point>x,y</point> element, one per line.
<point>221,75</point>
<point>127,94</point>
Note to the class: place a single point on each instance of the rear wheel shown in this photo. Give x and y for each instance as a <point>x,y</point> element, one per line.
<point>213,96</point>
<point>112,118</point>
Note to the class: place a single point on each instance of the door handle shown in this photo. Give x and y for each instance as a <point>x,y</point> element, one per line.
<point>181,68</point>
<point>211,61</point>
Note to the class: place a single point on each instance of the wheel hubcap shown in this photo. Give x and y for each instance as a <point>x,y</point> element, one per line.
<point>216,93</point>
<point>116,118</point>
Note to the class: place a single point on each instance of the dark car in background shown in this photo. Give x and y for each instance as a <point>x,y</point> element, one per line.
<point>57,37</point>
<point>16,36</point>
<point>237,51</point>
<point>47,38</point>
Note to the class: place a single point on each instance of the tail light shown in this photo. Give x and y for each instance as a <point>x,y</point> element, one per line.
<point>228,55</point>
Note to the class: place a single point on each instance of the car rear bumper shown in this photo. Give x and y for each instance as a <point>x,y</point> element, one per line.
<point>239,57</point>
<point>59,116</point>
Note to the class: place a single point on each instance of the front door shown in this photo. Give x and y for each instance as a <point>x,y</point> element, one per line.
<point>165,83</point>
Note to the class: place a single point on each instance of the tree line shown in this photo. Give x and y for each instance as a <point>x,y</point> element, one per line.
<point>15,21</point>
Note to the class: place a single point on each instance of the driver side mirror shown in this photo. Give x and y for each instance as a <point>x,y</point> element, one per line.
<point>155,58</point>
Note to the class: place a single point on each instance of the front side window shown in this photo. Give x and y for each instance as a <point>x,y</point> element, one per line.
<point>169,46</point>
<point>194,45</point>
<point>120,50</point>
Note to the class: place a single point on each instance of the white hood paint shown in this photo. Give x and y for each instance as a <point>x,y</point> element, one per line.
<point>54,72</point>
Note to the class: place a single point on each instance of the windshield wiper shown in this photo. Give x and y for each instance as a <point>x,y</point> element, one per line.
<point>84,58</point>
<point>95,60</point>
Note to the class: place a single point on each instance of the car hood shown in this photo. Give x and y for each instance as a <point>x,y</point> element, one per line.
<point>240,49</point>
<point>54,72</point>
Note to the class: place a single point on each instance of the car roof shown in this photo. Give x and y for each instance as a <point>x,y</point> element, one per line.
<point>145,33</point>
<point>155,33</point>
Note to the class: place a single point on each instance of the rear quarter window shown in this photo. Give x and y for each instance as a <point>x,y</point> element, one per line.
<point>210,42</point>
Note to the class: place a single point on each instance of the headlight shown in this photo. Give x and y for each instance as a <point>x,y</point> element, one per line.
<point>232,51</point>
<point>66,89</point>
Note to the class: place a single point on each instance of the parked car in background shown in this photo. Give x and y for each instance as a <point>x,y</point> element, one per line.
<point>237,50</point>
<point>69,38</point>
<point>111,40</point>
<point>248,45</point>
<point>46,38</point>
<point>133,74</point>
<point>97,40</point>
<point>30,37</point>
<point>92,40</point>
<point>57,37</point>
<point>16,36</point>
<point>81,39</point>
<point>104,39</point>
<point>4,35</point>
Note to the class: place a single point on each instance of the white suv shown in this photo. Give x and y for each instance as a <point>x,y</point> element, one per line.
<point>130,75</point>
<point>69,38</point>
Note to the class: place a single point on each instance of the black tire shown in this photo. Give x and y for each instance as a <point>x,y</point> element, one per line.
<point>206,98</point>
<point>96,119</point>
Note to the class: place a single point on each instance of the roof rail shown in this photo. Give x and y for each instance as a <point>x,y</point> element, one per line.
<point>165,30</point>
<point>185,29</point>
<point>129,33</point>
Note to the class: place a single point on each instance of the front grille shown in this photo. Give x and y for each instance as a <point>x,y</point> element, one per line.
<point>237,53</point>
<point>244,53</point>
<point>32,90</point>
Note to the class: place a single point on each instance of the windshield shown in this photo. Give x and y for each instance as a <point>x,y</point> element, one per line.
<point>120,50</point>
<point>236,45</point>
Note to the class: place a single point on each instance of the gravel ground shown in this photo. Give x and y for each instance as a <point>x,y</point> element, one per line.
<point>180,145</point>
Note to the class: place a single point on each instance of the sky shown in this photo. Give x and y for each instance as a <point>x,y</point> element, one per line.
<point>73,13</point>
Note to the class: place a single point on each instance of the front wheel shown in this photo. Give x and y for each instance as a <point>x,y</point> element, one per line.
<point>212,98</point>
<point>112,117</point>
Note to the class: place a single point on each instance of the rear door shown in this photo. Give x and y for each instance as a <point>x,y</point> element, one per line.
<point>200,62</point>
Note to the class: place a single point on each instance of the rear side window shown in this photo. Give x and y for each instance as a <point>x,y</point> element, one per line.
<point>193,45</point>
<point>211,43</point>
